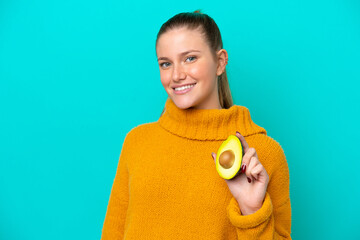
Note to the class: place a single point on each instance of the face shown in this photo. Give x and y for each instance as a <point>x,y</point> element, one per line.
<point>188,70</point>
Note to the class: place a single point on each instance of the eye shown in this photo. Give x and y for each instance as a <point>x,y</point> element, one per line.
<point>191,57</point>
<point>162,64</point>
<point>165,66</point>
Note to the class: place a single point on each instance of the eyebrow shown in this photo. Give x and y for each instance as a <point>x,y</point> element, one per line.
<point>181,54</point>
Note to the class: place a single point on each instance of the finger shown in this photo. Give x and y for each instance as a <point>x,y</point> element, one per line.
<point>253,163</point>
<point>248,155</point>
<point>256,171</point>
<point>244,144</point>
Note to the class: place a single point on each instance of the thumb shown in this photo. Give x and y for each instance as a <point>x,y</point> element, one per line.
<point>213,156</point>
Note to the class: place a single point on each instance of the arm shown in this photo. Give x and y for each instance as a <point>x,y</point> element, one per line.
<point>273,219</point>
<point>114,222</point>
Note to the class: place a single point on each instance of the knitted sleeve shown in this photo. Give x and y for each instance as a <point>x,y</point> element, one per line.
<point>114,222</point>
<point>273,219</point>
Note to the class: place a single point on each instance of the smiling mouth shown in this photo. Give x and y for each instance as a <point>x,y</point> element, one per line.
<point>184,87</point>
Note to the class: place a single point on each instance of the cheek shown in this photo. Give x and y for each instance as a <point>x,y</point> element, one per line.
<point>165,79</point>
<point>203,71</point>
<point>197,70</point>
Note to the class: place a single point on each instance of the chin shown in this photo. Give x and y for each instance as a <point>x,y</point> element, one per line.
<point>183,103</point>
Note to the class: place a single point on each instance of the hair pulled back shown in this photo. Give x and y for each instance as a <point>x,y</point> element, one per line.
<point>209,29</point>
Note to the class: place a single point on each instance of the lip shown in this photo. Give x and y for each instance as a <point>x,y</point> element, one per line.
<point>185,90</point>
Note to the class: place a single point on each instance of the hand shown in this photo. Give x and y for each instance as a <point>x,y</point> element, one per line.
<point>249,187</point>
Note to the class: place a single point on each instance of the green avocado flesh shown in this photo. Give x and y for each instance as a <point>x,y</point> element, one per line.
<point>229,157</point>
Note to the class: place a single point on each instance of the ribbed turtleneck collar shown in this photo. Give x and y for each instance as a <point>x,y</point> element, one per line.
<point>208,124</point>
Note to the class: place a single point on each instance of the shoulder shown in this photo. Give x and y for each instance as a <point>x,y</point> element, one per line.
<point>268,144</point>
<point>270,152</point>
<point>265,142</point>
<point>134,139</point>
<point>141,131</point>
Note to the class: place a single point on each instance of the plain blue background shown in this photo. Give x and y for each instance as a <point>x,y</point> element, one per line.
<point>76,76</point>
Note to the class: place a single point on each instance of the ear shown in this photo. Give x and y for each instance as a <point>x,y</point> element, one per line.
<point>222,57</point>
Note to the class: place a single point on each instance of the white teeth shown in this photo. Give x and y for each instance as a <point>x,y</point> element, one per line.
<point>184,87</point>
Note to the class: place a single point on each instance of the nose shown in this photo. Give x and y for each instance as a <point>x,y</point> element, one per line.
<point>178,73</point>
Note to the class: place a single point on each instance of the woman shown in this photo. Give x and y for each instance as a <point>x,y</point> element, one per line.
<point>166,186</point>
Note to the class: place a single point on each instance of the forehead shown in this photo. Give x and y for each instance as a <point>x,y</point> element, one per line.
<point>179,40</point>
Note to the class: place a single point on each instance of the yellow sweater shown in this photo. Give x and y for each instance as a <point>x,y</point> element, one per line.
<point>167,187</point>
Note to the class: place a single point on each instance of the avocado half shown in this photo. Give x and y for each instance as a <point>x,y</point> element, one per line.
<point>229,157</point>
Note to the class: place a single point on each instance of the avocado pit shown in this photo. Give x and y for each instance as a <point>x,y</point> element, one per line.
<point>227,159</point>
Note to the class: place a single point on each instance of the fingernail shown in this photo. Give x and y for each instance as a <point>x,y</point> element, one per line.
<point>238,132</point>
<point>212,155</point>
<point>243,168</point>
<point>249,180</point>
